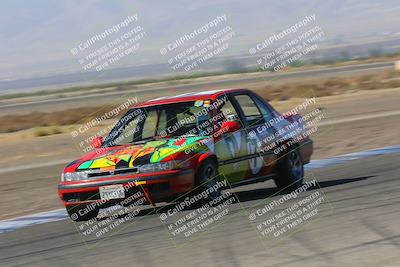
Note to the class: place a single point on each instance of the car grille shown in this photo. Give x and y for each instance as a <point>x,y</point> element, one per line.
<point>94,174</point>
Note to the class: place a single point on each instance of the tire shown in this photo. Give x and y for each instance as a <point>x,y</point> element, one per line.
<point>290,170</point>
<point>73,212</point>
<point>206,178</point>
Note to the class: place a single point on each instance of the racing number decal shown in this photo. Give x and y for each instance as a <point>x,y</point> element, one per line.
<point>256,162</point>
<point>233,143</point>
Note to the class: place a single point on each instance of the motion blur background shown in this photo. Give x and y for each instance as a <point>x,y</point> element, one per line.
<point>47,93</point>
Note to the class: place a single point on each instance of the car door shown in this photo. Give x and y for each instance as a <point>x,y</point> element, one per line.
<point>260,159</point>
<point>230,148</point>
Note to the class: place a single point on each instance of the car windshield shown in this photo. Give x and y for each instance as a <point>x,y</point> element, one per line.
<point>171,120</point>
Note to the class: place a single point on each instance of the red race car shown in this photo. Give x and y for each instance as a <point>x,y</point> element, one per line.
<point>170,146</point>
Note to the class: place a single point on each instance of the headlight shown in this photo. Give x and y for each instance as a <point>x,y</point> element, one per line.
<point>154,167</point>
<point>74,176</point>
<point>160,166</point>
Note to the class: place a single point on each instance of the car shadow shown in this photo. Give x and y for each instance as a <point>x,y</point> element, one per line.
<point>244,196</point>
<point>263,193</point>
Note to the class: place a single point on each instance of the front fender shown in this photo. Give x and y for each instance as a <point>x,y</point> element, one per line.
<point>203,157</point>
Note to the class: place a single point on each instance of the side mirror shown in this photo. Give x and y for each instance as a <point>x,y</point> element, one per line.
<point>97,142</point>
<point>229,127</point>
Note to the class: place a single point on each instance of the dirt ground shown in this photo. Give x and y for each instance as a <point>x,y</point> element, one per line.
<point>33,189</point>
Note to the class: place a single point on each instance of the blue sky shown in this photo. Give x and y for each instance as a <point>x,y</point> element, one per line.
<point>37,36</point>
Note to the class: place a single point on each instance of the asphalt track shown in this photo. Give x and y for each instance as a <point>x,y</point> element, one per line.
<point>357,225</point>
<point>106,98</point>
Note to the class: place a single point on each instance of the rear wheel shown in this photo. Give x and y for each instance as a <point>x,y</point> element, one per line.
<point>290,170</point>
<point>82,212</point>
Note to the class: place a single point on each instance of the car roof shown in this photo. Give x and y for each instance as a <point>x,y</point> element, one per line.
<point>212,94</point>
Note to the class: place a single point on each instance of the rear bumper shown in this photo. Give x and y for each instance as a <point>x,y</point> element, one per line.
<point>156,187</point>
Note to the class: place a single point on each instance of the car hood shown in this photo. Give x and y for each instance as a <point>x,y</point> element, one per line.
<point>138,154</point>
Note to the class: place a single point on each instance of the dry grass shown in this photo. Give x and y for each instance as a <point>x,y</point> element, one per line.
<point>12,123</point>
<point>44,131</point>
<point>330,86</point>
<point>322,87</point>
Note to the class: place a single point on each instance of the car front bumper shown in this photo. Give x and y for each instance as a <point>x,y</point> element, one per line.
<point>157,187</point>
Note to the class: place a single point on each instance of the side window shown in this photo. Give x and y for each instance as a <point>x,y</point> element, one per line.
<point>229,112</point>
<point>250,110</point>
<point>265,111</point>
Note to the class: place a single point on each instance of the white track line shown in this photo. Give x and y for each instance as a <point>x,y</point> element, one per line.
<point>60,214</point>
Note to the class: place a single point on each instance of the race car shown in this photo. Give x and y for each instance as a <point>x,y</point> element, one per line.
<point>168,147</point>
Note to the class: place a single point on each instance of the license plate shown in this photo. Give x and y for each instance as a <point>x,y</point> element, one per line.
<point>112,192</point>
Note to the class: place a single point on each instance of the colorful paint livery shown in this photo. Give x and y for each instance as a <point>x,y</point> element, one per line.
<point>184,143</point>
<point>136,155</point>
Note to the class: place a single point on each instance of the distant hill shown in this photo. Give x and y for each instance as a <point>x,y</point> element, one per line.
<point>37,38</point>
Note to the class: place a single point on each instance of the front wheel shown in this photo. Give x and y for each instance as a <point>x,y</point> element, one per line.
<point>206,180</point>
<point>290,170</point>
<point>82,212</point>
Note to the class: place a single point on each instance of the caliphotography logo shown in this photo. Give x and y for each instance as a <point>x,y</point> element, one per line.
<point>215,133</point>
